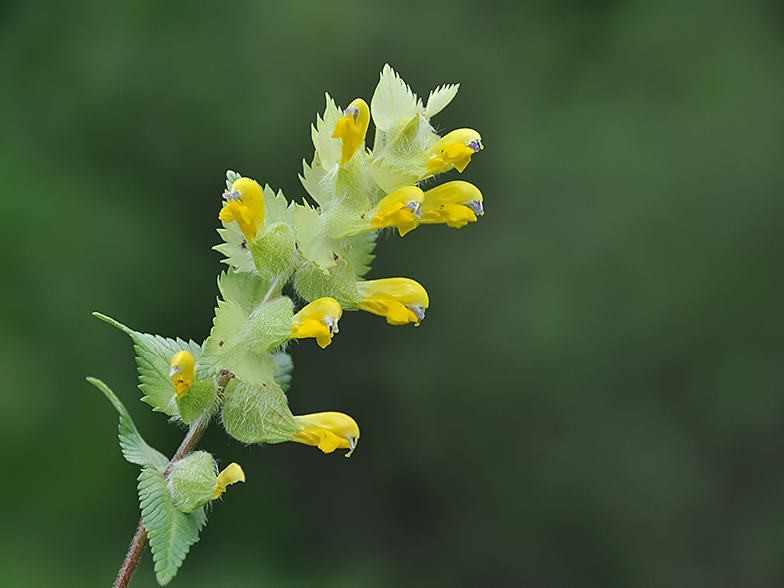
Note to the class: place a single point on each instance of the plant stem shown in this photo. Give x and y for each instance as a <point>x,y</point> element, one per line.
<point>195,432</point>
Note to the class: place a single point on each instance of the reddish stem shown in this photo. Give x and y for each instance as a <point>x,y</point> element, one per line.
<point>195,432</point>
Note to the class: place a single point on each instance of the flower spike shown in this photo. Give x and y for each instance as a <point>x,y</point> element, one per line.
<point>245,204</point>
<point>231,474</point>
<point>352,129</point>
<point>400,300</point>
<point>400,209</point>
<point>318,319</point>
<point>181,372</point>
<point>328,431</point>
<point>455,148</point>
<point>455,203</point>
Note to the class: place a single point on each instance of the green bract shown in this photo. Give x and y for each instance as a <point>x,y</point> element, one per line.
<point>280,253</point>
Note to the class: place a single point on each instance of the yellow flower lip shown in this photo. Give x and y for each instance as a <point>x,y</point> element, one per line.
<point>244,204</point>
<point>181,372</point>
<point>319,320</point>
<point>455,203</point>
<point>454,149</point>
<point>399,300</point>
<point>327,431</point>
<point>231,474</point>
<point>352,128</point>
<point>401,208</point>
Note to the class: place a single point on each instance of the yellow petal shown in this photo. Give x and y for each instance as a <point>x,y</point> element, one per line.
<point>352,128</point>
<point>400,300</point>
<point>327,431</point>
<point>312,328</point>
<point>454,149</point>
<point>181,372</point>
<point>399,209</point>
<point>454,203</point>
<point>231,474</point>
<point>245,206</point>
<point>318,319</point>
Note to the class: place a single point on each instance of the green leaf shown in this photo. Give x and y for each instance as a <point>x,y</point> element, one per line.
<point>134,448</point>
<point>235,248</point>
<point>358,250</point>
<point>153,356</point>
<point>439,99</point>
<point>230,347</point>
<point>277,208</point>
<point>170,532</point>
<point>393,100</point>
<point>246,290</point>
<point>256,414</point>
<point>231,177</point>
<point>314,242</point>
<point>284,366</point>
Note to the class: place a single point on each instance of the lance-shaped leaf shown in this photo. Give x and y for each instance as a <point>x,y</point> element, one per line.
<point>134,448</point>
<point>170,531</point>
<point>153,356</point>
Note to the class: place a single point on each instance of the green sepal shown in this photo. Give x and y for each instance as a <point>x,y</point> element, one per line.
<point>201,400</point>
<point>169,531</point>
<point>339,283</point>
<point>256,414</point>
<point>284,366</point>
<point>229,347</point>
<point>275,252</point>
<point>192,481</point>
<point>245,289</point>
<point>153,357</point>
<point>134,448</point>
<point>270,325</point>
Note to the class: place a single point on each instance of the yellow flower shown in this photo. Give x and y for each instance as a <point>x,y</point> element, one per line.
<point>231,474</point>
<point>328,431</point>
<point>352,129</point>
<point>181,372</point>
<point>318,319</point>
<point>454,203</point>
<point>246,206</point>
<point>400,300</point>
<point>455,148</point>
<point>400,209</point>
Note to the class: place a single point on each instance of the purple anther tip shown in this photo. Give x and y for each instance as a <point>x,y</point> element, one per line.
<point>475,146</point>
<point>352,112</point>
<point>476,206</point>
<point>418,311</point>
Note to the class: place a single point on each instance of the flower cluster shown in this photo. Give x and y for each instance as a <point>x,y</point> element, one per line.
<point>280,253</point>
<point>324,251</point>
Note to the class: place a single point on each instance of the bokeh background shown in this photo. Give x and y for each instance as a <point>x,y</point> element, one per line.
<point>595,397</point>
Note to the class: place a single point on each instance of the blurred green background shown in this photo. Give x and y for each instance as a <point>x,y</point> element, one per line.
<point>595,398</point>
